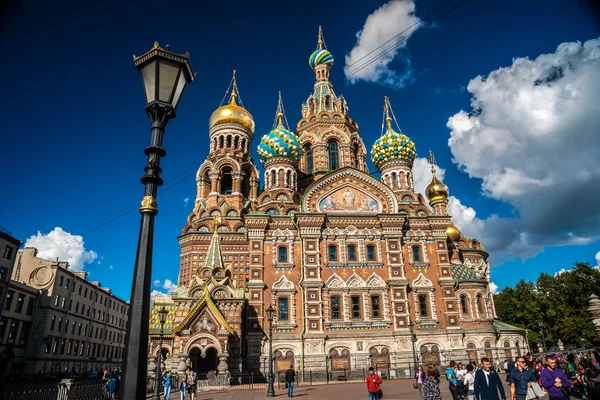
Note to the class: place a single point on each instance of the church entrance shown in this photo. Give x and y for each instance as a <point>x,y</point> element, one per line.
<point>202,365</point>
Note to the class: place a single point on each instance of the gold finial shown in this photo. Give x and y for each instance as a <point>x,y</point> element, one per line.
<point>217,220</point>
<point>432,162</point>
<point>234,90</point>
<point>320,43</point>
<point>388,119</point>
<point>280,111</point>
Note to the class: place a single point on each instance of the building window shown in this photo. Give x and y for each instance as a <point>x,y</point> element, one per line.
<point>61,281</point>
<point>332,148</point>
<point>25,331</point>
<point>8,252</point>
<point>371,253</point>
<point>52,321</point>
<point>30,306</point>
<point>480,305</point>
<point>58,328</point>
<point>283,309</point>
<point>356,307</point>
<point>48,345</point>
<point>308,151</point>
<point>416,253</point>
<point>64,302</point>
<point>3,325</point>
<point>463,304</point>
<point>8,300</point>
<point>14,327</point>
<point>283,256</point>
<point>226,181</point>
<point>394,180</point>
<point>332,250</point>
<point>352,253</point>
<point>3,273</point>
<point>423,305</point>
<point>67,284</point>
<point>375,306</point>
<point>336,307</point>
<point>19,305</point>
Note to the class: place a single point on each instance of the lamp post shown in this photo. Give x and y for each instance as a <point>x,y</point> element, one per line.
<point>413,338</point>
<point>541,324</point>
<point>270,315</point>
<point>164,76</point>
<point>162,318</point>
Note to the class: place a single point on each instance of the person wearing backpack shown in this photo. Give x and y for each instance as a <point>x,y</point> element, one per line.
<point>167,384</point>
<point>111,386</point>
<point>182,389</point>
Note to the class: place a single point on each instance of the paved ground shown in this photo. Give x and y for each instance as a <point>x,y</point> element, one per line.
<point>393,390</point>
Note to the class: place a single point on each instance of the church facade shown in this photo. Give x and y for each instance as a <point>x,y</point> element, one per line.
<point>361,270</point>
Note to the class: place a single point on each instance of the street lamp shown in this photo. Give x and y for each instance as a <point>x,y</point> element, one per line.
<point>413,338</point>
<point>164,76</point>
<point>162,318</point>
<point>541,324</point>
<point>270,315</point>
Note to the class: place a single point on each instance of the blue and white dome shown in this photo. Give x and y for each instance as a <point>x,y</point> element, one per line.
<point>280,142</point>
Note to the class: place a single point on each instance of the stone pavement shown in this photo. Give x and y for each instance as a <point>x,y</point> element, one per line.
<point>392,390</point>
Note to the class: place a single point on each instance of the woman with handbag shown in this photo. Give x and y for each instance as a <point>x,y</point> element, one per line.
<point>419,380</point>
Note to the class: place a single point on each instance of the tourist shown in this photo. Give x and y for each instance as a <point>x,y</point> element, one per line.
<point>111,387</point>
<point>452,382</point>
<point>487,382</point>
<point>469,382</point>
<point>191,385</point>
<point>431,389</point>
<point>554,380</point>
<point>182,389</point>
<point>167,384</point>
<point>289,380</point>
<point>520,380</point>
<point>506,369</point>
<point>373,382</point>
<point>420,380</point>
<point>460,375</point>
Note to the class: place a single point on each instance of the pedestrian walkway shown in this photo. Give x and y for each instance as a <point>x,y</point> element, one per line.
<point>392,390</point>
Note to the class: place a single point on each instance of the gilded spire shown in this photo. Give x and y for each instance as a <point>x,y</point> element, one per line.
<point>386,106</point>
<point>234,90</point>
<point>432,162</point>
<point>279,115</point>
<point>320,39</point>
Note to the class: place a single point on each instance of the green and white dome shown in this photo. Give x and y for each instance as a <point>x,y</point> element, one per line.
<point>392,146</point>
<point>280,142</point>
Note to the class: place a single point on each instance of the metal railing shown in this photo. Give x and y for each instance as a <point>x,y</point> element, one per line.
<point>66,389</point>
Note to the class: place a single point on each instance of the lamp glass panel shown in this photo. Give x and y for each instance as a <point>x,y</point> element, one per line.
<point>179,90</point>
<point>168,75</point>
<point>148,72</point>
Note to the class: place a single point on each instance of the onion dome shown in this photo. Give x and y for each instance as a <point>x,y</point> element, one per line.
<point>453,233</point>
<point>280,142</point>
<point>436,190</point>
<point>320,56</point>
<point>392,145</point>
<point>232,113</point>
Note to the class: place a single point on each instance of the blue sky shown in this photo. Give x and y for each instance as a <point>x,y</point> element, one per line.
<point>74,128</point>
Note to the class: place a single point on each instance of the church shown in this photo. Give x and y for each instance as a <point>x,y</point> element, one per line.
<point>360,269</point>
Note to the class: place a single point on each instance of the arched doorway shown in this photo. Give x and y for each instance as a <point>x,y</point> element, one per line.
<point>507,351</point>
<point>203,364</point>
<point>488,351</point>
<point>430,356</point>
<point>472,350</point>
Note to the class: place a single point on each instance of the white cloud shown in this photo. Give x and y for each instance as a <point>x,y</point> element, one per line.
<point>169,286</point>
<point>156,293</point>
<point>395,20</point>
<point>186,201</point>
<point>156,282</point>
<point>597,261</point>
<point>493,288</point>
<point>531,138</point>
<point>64,246</point>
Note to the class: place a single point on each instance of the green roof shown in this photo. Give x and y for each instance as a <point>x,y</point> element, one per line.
<point>503,326</point>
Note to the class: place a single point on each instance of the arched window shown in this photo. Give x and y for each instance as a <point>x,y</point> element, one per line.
<point>464,305</point>
<point>394,180</point>
<point>332,148</point>
<point>308,153</point>
<point>226,181</point>
<point>221,141</point>
<point>355,151</point>
<point>282,254</point>
<point>229,141</point>
<point>236,142</point>
<point>416,254</point>
<point>243,144</point>
<point>480,305</point>
<point>273,176</point>
<point>423,309</point>
<point>518,348</point>
<point>288,178</point>
<point>332,250</point>
<point>352,253</point>
<point>371,253</point>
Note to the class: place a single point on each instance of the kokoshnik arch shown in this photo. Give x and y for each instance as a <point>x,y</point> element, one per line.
<point>351,263</point>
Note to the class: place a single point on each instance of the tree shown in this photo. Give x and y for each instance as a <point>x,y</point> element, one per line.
<point>559,301</point>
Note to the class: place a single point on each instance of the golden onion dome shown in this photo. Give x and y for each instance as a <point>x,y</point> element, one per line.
<point>231,114</point>
<point>436,190</point>
<point>453,233</point>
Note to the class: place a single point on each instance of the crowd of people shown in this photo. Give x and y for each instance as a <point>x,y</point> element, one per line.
<point>558,376</point>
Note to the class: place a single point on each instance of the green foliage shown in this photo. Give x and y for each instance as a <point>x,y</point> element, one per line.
<point>560,302</point>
